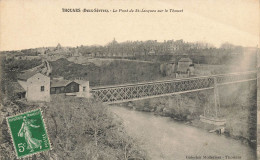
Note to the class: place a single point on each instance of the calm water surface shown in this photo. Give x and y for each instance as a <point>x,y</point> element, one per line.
<point>166,139</point>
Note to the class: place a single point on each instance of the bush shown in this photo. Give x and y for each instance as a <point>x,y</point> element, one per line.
<point>79,129</point>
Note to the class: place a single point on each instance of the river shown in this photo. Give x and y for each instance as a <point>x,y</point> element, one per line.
<point>166,139</point>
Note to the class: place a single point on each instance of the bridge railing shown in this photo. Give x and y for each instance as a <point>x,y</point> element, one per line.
<point>126,92</point>
<point>235,77</point>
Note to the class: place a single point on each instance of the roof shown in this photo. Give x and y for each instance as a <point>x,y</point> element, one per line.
<point>17,88</point>
<point>81,82</point>
<point>185,60</point>
<point>26,75</point>
<point>60,83</point>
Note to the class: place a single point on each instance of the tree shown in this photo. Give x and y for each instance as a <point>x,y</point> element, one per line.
<point>227,45</point>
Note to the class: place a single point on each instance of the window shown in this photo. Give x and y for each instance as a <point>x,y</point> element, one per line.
<point>42,88</point>
<point>84,89</point>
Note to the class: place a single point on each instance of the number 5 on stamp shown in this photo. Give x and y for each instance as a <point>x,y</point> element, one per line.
<point>28,133</point>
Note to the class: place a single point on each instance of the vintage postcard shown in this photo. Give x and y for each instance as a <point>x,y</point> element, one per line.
<point>129,80</point>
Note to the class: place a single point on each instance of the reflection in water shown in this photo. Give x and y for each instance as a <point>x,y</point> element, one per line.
<point>166,139</point>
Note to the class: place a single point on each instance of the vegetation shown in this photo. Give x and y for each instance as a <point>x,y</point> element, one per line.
<point>117,72</point>
<point>152,47</point>
<point>205,56</point>
<point>200,52</point>
<point>78,129</point>
<point>11,67</point>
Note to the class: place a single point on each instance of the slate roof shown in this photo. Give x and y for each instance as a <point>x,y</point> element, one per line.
<point>17,88</point>
<point>26,75</point>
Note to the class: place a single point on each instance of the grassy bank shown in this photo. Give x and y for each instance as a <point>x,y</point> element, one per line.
<point>78,129</point>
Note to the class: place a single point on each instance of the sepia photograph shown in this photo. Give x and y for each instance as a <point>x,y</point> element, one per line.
<point>129,80</point>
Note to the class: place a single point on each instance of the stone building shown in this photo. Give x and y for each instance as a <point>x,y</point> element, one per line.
<point>36,86</point>
<point>185,68</point>
<point>183,65</point>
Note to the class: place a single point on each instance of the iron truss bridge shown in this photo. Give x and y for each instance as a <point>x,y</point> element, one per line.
<point>138,91</point>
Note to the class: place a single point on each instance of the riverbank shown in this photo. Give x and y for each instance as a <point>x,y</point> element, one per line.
<point>165,139</point>
<point>238,107</point>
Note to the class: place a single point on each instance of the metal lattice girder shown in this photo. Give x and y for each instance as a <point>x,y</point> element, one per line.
<point>235,77</point>
<point>149,89</point>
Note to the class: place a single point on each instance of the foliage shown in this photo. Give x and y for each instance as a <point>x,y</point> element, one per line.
<point>117,72</point>
<point>79,128</point>
<point>239,106</point>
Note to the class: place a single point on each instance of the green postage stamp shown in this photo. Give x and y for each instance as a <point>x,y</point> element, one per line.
<point>28,133</point>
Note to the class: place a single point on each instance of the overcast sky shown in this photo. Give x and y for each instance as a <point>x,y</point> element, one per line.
<point>34,23</point>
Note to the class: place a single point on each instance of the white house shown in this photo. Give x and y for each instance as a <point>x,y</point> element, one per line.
<point>36,85</point>
<point>84,90</point>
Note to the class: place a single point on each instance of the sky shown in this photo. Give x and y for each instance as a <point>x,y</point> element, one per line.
<point>34,23</point>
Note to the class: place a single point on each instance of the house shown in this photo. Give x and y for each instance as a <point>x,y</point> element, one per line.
<point>79,88</point>
<point>58,86</point>
<point>151,52</point>
<point>183,65</point>
<point>184,68</point>
<point>84,90</point>
<point>36,86</point>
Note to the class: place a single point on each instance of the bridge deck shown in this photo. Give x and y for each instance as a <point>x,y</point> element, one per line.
<point>137,91</point>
